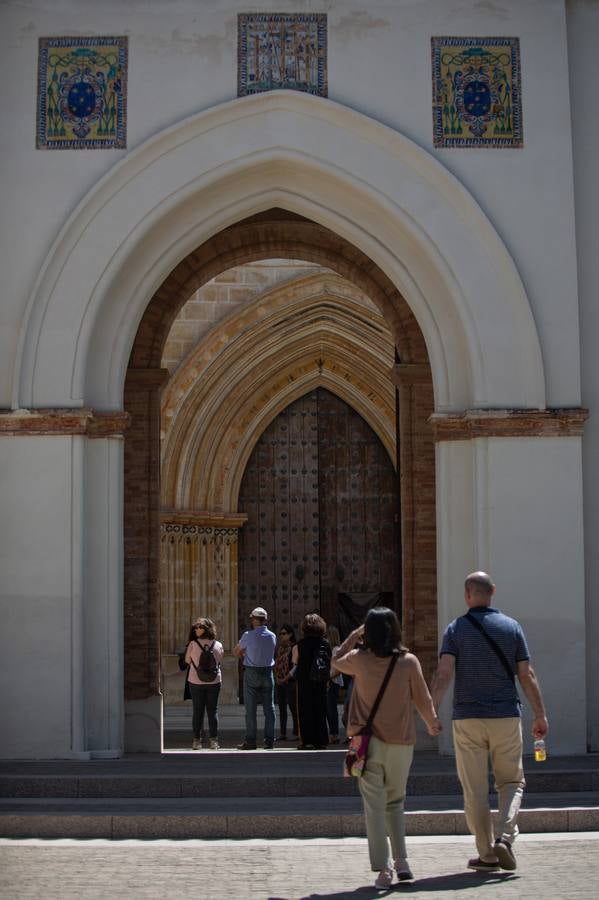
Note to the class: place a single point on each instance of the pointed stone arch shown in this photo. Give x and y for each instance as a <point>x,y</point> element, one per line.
<point>318,332</point>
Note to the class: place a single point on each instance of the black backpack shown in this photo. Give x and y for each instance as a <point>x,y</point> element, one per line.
<point>320,669</point>
<point>207,668</point>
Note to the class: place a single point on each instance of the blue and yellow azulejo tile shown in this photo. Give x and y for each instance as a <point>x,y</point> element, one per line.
<point>277,51</point>
<point>82,93</point>
<point>476,92</point>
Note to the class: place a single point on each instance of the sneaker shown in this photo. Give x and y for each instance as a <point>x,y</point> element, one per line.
<point>384,879</point>
<point>196,744</point>
<point>281,737</point>
<point>404,873</point>
<point>246,746</point>
<point>268,745</point>
<point>505,854</point>
<point>214,743</point>
<point>480,866</point>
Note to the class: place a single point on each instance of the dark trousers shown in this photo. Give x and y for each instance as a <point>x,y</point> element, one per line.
<point>332,711</point>
<point>287,697</point>
<point>312,713</point>
<point>205,699</point>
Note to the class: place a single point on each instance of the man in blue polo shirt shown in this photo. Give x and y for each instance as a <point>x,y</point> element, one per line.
<point>485,656</point>
<point>257,649</point>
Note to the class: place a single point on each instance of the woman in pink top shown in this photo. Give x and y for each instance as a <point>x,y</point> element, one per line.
<point>204,679</point>
<point>391,748</point>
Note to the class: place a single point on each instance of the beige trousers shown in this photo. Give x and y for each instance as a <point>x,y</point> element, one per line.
<point>383,790</point>
<point>476,742</point>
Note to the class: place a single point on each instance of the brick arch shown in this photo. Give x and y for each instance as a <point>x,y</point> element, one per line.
<point>271,235</point>
<point>274,234</point>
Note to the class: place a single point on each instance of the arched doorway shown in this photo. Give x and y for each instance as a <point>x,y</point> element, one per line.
<point>320,332</point>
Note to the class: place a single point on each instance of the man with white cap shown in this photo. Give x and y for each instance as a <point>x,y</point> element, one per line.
<point>257,649</point>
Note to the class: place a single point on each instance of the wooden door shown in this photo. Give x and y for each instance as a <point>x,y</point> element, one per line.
<point>320,494</point>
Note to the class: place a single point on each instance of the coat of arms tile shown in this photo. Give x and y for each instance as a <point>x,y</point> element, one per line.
<point>82,93</point>
<point>282,51</point>
<point>476,92</point>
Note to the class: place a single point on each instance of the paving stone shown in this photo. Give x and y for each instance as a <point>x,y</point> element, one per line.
<point>554,867</point>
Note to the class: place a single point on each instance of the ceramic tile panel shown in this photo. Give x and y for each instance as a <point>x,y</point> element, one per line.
<point>282,51</point>
<point>476,92</point>
<point>82,93</point>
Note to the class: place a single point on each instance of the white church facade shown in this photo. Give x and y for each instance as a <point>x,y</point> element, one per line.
<point>436,223</point>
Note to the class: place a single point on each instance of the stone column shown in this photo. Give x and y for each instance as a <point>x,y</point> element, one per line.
<point>418,524</point>
<point>61,603</point>
<point>198,577</point>
<point>143,703</point>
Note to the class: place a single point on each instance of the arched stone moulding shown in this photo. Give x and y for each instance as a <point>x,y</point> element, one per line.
<point>255,363</point>
<point>360,179</point>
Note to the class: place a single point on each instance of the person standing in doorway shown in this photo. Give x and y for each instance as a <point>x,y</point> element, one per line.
<point>485,651</point>
<point>334,686</point>
<point>285,684</point>
<point>312,691</point>
<point>257,650</point>
<point>203,656</point>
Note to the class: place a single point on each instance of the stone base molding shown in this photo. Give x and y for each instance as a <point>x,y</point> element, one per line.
<point>61,422</point>
<point>477,423</point>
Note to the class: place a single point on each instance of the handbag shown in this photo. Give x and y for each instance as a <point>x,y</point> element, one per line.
<point>357,752</point>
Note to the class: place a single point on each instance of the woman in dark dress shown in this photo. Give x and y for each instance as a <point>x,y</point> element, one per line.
<point>311,692</point>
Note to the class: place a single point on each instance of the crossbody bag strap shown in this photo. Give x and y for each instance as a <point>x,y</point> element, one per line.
<point>382,689</point>
<point>494,645</point>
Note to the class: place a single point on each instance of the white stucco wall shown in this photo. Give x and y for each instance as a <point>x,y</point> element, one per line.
<point>41,642</point>
<point>583,29</point>
<point>513,507</point>
<point>183,60</point>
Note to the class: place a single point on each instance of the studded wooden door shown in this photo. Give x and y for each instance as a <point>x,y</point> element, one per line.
<point>320,494</point>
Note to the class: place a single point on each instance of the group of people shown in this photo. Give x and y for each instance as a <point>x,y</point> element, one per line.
<point>289,670</point>
<point>484,653</point>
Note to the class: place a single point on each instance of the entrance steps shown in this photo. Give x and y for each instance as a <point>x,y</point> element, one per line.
<point>262,794</point>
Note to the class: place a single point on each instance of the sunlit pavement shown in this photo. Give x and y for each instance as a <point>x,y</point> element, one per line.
<point>560,866</point>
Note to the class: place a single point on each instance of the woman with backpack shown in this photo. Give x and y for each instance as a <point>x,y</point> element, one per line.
<point>312,658</point>
<point>203,656</point>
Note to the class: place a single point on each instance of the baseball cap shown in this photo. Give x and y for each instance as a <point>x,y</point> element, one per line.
<point>258,613</point>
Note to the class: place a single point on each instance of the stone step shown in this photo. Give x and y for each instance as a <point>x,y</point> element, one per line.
<point>276,773</point>
<point>243,817</point>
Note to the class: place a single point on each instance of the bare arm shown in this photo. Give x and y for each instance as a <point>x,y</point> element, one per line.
<point>350,642</point>
<point>530,686</point>
<point>442,678</point>
<point>294,655</point>
<point>188,654</point>
<point>423,701</point>
<point>238,651</point>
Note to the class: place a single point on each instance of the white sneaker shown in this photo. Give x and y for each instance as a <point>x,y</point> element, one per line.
<point>196,744</point>
<point>213,743</point>
<point>384,879</point>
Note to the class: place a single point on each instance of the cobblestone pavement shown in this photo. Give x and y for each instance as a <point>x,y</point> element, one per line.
<point>550,867</point>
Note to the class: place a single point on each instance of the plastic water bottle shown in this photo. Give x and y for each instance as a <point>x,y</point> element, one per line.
<point>540,751</point>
